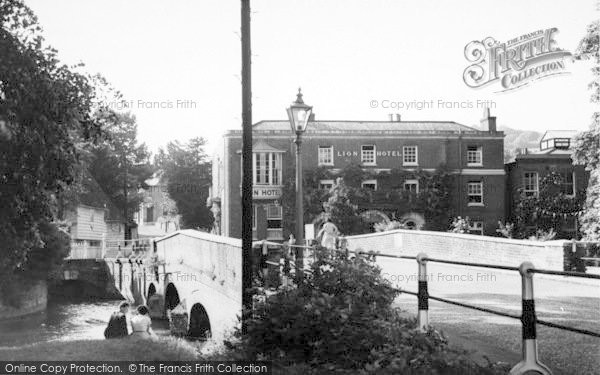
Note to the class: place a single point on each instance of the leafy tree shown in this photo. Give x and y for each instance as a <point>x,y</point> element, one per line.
<point>45,111</point>
<point>587,151</point>
<point>188,173</point>
<point>118,165</point>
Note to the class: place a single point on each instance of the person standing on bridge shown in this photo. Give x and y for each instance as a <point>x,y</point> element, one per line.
<point>329,234</point>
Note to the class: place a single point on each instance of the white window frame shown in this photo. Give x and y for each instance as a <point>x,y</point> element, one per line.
<point>526,183</point>
<point>411,182</point>
<point>405,154</point>
<point>364,152</point>
<point>476,154</point>
<point>470,194</point>
<point>271,169</point>
<point>369,182</point>
<point>274,212</point>
<point>572,184</point>
<point>326,182</point>
<point>476,226</point>
<point>320,156</point>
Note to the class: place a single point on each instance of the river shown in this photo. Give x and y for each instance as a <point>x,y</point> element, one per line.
<point>64,321</point>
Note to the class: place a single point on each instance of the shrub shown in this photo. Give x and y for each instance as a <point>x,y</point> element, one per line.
<point>340,319</point>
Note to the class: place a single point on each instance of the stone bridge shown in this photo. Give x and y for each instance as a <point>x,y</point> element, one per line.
<point>193,274</point>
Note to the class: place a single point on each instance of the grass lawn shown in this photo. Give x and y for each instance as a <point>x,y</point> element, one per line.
<point>127,349</point>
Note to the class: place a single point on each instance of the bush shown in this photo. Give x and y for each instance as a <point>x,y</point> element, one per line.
<point>340,319</point>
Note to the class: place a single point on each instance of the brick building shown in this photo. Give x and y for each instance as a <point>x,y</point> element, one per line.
<point>525,173</point>
<point>473,156</point>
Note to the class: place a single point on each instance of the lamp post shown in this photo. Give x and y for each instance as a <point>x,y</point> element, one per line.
<point>299,114</point>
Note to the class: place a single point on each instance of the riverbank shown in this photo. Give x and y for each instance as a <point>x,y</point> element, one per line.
<point>126,349</point>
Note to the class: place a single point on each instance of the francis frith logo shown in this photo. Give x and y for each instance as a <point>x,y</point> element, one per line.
<point>514,63</point>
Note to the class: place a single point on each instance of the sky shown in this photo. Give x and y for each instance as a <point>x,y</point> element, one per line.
<point>178,62</point>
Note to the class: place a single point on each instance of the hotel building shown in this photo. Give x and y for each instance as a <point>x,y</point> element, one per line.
<point>474,156</point>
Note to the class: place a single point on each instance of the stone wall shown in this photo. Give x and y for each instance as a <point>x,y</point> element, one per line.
<point>31,298</point>
<point>463,247</point>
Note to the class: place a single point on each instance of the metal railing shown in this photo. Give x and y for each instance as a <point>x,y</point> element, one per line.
<point>528,318</point>
<point>530,361</point>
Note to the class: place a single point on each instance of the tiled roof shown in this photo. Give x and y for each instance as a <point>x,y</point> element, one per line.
<point>348,126</point>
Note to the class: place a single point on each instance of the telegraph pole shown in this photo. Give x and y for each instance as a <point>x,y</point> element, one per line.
<point>246,164</point>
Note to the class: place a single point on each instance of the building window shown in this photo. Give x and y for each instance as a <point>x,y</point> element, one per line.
<point>369,184</point>
<point>149,214</point>
<point>474,156</point>
<point>267,168</point>
<point>412,186</point>
<point>563,143</point>
<point>325,184</point>
<point>254,219</point>
<point>566,186</point>
<point>530,184</point>
<point>476,227</point>
<point>274,217</point>
<point>409,155</point>
<point>475,193</point>
<point>367,154</point>
<point>325,155</point>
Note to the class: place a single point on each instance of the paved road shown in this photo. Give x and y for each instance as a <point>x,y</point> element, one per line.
<point>558,299</point>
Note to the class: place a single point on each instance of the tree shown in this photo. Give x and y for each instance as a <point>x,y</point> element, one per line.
<point>587,151</point>
<point>188,173</point>
<point>118,165</point>
<point>45,111</point>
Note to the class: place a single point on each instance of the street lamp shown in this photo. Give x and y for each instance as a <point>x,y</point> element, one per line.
<point>299,114</point>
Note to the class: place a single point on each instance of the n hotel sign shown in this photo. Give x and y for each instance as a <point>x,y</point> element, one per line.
<point>266,192</point>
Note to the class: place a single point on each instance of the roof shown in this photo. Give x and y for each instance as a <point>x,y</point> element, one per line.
<point>262,146</point>
<point>375,126</point>
<point>551,134</point>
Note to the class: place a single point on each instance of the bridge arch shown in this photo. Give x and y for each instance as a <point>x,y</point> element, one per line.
<point>199,325</point>
<point>172,298</point>
<point>151,291</point>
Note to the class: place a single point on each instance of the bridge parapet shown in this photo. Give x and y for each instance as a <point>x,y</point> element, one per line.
<point>463,247</point>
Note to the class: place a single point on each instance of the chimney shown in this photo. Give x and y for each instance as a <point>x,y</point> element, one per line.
<point>488,122</point>
<point>394,117</point>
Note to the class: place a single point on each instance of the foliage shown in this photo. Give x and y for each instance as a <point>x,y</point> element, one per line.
<point>460,225</point>
<point>340,319</point>
<point>392,225</point>
<point>45,111</point>
<point>538,216</point>
<point>587,151</point>
<point>116,167</point>
<point>341,211</point>
<point>433,200</point>
<point>506,229</point>
<point>543,235</point>
<point>188,173</point>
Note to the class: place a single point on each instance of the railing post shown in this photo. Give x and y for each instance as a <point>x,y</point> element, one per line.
<point>530,360</point>
<point>423,294</point>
